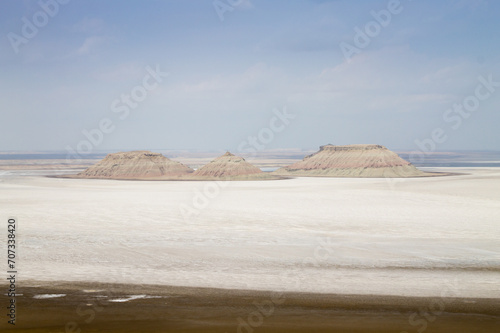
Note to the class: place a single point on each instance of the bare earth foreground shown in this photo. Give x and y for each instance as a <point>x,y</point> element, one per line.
<point>96,307</point>
<point>349,255</point>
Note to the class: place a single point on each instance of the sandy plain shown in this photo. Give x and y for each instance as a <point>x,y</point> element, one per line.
<point>421,239</point>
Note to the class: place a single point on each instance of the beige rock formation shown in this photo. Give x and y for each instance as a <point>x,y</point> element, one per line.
<point>227,165</point>
<point>135,165</point>
<point>371,161</point>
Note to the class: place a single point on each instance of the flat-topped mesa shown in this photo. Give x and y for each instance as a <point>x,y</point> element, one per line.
<point>227,165</point>
<point>350,147</point>
<point>360,160</point>
<point>351,156</point>
<point>135,165</point>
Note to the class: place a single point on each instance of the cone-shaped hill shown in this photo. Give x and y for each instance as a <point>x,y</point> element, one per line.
<point>231,167</point>
<point>135,165</point>
<point>371,161</point>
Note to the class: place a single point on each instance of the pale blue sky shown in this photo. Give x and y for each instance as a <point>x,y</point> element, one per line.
<point>226,76</point>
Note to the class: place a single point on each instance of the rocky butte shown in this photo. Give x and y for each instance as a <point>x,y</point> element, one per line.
<point>136,165</point>
<point>361,160</point>
<point>231,167</point>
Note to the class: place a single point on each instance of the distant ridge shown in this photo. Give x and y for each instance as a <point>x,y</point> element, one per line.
<point>135,165</point>
<point>227,165</point>
<point>145,165</point>
<point>358,160</point>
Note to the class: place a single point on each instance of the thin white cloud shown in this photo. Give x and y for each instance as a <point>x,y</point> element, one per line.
<point>90,44</point>
<point>245,4</point>
<point>258,77</point>
<point>391,79</point>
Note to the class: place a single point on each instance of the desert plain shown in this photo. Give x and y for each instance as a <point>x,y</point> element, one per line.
<point>329,254</point>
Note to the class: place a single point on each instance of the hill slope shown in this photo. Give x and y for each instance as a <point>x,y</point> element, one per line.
<point>371,161</point>
<point>135,165</point>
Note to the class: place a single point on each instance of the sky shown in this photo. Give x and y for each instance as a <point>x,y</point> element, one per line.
<point>87,76</point>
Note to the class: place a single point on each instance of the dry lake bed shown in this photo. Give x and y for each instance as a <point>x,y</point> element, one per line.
<point>391,254</point>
